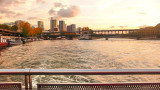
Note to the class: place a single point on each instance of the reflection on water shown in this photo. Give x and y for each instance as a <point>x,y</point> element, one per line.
<point>93,54</point>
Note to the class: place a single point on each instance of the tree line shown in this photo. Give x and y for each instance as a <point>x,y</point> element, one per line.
<point>152,31</point>
<point>25,28</point>
<point>12,28</point>
<point>28,31</point>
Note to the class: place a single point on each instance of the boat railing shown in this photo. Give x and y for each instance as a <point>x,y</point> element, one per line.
<point>28,73</point>
<point>3,40</point>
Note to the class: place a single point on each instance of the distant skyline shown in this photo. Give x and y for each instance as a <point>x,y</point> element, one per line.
<point>96,14</point>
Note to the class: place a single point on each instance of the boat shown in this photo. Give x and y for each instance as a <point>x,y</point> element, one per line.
<point>15,42</point>
<point>3,42</point>
<point>85,35</point>
<point>59,38</point>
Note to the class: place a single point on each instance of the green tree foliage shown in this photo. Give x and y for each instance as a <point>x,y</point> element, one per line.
<point>4,26</point>
<point>25,32</point>
<point>14,28</point>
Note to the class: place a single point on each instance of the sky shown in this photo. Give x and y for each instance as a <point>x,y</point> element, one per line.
<point>96,14</point>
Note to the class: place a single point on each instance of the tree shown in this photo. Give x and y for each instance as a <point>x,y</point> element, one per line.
<point>28,28</point>
<point>86,28</point>
<point>14,28</point>
<point>37,31</point>
<point>157,27</point>
<point>4,26</point>
<point>24,32</point>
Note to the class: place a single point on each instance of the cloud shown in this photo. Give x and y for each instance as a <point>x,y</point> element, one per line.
<point>32,18</point>
<point>9,13</point>
<point>6,7</point>
<point>112,27</point>
<point>142,13</point>
<point>6,3</point>
<point>1,17</point>
<point>19,14</point>
<point>51,12</point>
<point>123,26</point>
<point>71,11</point>
<point>63,11</point>
<point>40,1</point>
<point>58,4</point>
<point>6,11</point>
<point>67,12</point>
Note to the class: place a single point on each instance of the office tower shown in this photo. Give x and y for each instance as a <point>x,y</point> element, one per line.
<point>69,28</point>
<point>62,26</point>
<point>41,25</point>
<point>73,28</point>
<point>53,24</point>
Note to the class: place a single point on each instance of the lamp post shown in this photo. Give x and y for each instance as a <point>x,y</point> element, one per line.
<point>0,37</point>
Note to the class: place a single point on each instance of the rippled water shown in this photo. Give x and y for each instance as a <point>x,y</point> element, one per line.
<point>76,54</point>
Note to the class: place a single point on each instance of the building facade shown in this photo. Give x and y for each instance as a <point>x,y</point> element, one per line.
<point>69,28</point>
<point>62,26</point>
<point>41,25</point>
<point>73,28</point>
<point>53,24</point>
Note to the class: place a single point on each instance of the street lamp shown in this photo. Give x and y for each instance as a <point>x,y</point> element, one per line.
<point>0,37</point>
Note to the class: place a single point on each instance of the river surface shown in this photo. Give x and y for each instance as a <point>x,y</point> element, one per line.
<point>87,54</point>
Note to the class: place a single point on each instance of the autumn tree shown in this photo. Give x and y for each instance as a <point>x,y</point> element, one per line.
<point>26,29</point>
<point>86,28</point>
<point>14,28</point>
<point>37,31</point>
<point>152,31</point>
<point>20,24</point>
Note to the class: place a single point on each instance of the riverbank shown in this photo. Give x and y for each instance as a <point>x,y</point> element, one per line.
<point>148,38</point>
<point>11,43</point>
<point>144,38</point>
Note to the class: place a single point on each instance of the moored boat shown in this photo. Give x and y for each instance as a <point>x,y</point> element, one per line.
<point>3,42</point>
<point>15,42</point>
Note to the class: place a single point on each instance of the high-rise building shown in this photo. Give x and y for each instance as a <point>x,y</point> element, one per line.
<point>41,25</point>
<point>53,24</point>
<point>69,28</point>
<point>73,28</point>
<point>62,26</point>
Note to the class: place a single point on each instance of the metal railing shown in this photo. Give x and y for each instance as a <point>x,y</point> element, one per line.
<point>29,72</point>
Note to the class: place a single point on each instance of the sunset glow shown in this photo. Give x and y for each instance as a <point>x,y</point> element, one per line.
<point>96,14</point>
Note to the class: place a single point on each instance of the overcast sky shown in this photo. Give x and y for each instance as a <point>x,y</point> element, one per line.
<point>97,14</point>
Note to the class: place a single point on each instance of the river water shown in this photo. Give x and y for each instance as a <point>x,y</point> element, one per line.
<point>87,54</point>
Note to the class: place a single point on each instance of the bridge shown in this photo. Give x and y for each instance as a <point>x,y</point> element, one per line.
<point>89,34</point>
<point>5,32</point>
<point>114,32</point>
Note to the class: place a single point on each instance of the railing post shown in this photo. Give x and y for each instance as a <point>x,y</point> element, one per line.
<point>26,82</point>
<point>30,82</point>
